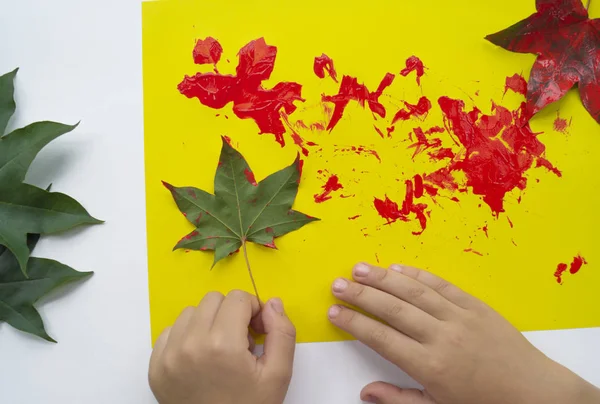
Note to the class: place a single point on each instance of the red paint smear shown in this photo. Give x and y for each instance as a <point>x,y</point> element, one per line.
<point>300,168</point>
<point>245,91</point>
<point>324,64</point>
<point>577,263</point>
<point>332,184</point>
<point>473,251</point>
<point>517,84</point>
<point>561,125</point>
<point>207,51</point>
<point>542,162</point>
<point>442,153</point>
<point>379,131</point>
<point>560,269</point>
<point>360,150</point>
<point>354,217</point>
<point>351,89</point>
<point>250,177</point>
<point>419,110</point>
<point>390,211</point>
<point>510,222</point>
<point>423,143</point>
<point>418,180</point>
<point>413,63</point>
<point>298,140</point>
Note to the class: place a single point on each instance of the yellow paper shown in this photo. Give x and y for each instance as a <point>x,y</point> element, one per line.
<point>556,219</point>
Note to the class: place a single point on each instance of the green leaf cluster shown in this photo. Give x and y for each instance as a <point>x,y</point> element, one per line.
<point>26,212</point>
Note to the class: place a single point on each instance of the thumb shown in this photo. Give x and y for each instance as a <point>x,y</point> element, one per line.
<point>280,341</point>
<point>385,393</point>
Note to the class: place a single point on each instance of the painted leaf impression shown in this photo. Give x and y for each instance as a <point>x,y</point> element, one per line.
<point>567,43</point>
<point>241,210</point>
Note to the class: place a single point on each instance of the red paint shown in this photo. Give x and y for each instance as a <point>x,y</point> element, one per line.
<point>298,140</point>
<point>441,153</point>
<point>516,83</point>
<point>418,180</point>
<point>419,110</point>
<point>390,211</point>
<point>360,150</point>
<point>560,269</point>
<point>191,193</point>
<point>565,41</point>
<point>227,139</point>
<point>207,51</point>
<point>377,257</point>
<point>351,90</point>
<point>323,64</point>
<point>473,251</point>
<point>379,131</point>
<point>300,168</point>
<point>485,230</point>
<point>413,63</point>
<point>510,222</point>
<point>250,99</point>
<point>250,177</point>
<point>577,263</point>
<point>542,162</point>
<point>332,184</point>
<point>562,125</point>
<point>354,217</point>
<point>423,143</point>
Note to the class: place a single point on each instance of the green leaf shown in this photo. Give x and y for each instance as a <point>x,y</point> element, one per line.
<point>7,100</point>
<point>18,293</point>
<point>24,208</point>
<point>240,210</point>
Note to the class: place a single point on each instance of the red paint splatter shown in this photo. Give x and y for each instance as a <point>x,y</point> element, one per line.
<point>250,177</point>
<point>560,269</point>
<point>324,64</point>
<point>485,230</point>
<point>360,150</point>
<point>379,131</point>
<point>354,217</point>
<point>390,211</point>
<point>473,251</point>
<point>245,91</point>
<point>298,140</point>
<point>419,110</point>
<point>542,162</point>
<point>350,89</point>
<point>207,51</point>
<point>577,263</point>
<point>227,139</point>
<point>562,125</point>
<point>442,153</point>
<point>413,63</point>
<point>510,222</point>
<point>517,84</point>
<point>423,143</point>
<point>332,184</point>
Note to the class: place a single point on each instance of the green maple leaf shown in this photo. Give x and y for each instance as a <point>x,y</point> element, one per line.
<point>241,210</point>
<point>18,293</point>
<point>25,208</point>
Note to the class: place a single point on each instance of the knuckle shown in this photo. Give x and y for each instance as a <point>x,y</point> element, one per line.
<point>442,286</point>
<point>415,292</point>
<point>357,291</point>
<point>347,318</point>
<point>238,294</point>
<point>378,336</point>
<point>394,309</point>
<point>381,275</point>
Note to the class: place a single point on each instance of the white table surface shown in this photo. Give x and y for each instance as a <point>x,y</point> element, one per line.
<point>82,59</point>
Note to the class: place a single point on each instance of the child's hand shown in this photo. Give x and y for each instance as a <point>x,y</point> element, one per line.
<point>206,358</point>
<point>458,348</point>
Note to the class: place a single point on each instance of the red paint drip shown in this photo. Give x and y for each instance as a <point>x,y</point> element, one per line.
<point>324,64</point>
<point>250,177</point>
<point>351,90</point>
<point>250,99</point>
<point>419,110</point>
<point>332,184</point>
<point>562,125</point>
<point>413,63</point>
<point>473,251</point>
<point>517,84</point>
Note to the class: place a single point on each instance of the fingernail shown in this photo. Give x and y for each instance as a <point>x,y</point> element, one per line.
<point>361,270</point>
<point>334,311</point>
<point>277,305</point>
<point>396,267</point>
<point>339,285</point>
<point>371,399</point>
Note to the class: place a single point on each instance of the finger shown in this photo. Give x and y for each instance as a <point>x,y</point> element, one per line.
<point>159,347</point>
<point>208,308</point>
<point>234,316</point>
<point>251,343</point>
<point>385,393</point>
<point>394,346</point>
<point>442,286</point>
<point>399,314</point>
<point>405,288</point>
<point>180,328</point>
<point>280,342</point>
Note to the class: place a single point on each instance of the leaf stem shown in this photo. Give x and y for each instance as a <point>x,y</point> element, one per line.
<point>250,272</point>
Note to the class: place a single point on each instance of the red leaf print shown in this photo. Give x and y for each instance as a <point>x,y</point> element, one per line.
<point>324,64</point>
<point>413,63</point>
<point>567,44</point>
<point>207,51</point>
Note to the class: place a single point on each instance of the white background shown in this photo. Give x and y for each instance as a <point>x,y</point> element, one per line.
<point>82,59</point>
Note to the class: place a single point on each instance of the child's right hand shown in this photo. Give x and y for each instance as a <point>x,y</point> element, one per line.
<point>457,347</point>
